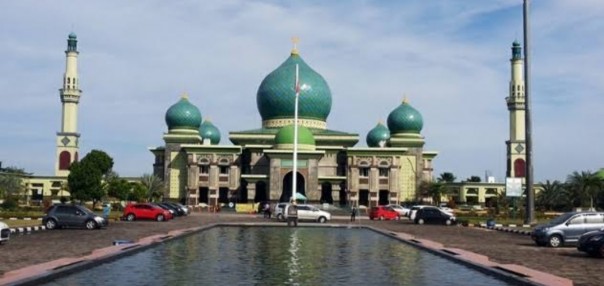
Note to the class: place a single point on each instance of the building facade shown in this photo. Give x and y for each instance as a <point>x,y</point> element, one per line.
<point>260,166</point>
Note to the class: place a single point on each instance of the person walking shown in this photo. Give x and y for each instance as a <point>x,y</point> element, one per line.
<point>353,214</point>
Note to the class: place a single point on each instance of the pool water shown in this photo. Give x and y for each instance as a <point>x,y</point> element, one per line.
<point>281,256</point>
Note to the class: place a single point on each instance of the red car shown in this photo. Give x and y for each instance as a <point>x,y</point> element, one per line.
<point>383,212</point>
<point>145,211</point>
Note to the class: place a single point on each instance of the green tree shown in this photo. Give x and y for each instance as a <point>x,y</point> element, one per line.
<point>119,188</point>
<point>446,177</point>
<point>86,177</point>
<point>552,196</point>
<point>84,182</point>
<point>475,179</point>
<point>11,183</point>
<point>583,187</point>
<point>101,160</point>
<point>154,186</point>
<point>138,192</point>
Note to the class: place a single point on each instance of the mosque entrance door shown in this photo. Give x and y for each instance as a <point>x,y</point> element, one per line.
<point>286,193</point>
<point>326,196</point>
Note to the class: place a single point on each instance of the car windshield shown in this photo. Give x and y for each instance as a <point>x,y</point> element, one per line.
<point>562,218</point>
<point>86,210</point>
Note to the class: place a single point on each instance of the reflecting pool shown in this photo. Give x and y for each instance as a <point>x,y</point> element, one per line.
<point>281,256</point>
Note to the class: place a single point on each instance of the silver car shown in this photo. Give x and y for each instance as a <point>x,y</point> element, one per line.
<point>567,228</point>
<point>4,232</point>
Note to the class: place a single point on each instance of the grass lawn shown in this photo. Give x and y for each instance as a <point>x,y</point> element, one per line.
<point>22,222</point>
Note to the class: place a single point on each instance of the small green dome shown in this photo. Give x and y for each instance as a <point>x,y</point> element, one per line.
<point>183,115</point>
<point>378,136</point>
<point>72,35</point>
<point>516,43</point>
<point>276,95</point>
<point>207,130</point>
<point>284,139</point>
<point>405,119</point>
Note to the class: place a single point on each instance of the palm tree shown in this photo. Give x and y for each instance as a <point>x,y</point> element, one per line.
<point>154,185</point>
<point>552,195</point>
<point>446,177</point>
<point>583,186</point>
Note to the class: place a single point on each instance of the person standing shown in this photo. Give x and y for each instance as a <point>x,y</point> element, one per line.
<point>292,214</point>
<point>106,212</point>
<point>353,214</point>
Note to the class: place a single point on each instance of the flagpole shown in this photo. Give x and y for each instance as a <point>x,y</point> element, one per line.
<point>295,167</point>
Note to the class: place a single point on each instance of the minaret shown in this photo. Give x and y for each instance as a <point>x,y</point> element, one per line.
<point>516,155</point>
<point>68,137</point>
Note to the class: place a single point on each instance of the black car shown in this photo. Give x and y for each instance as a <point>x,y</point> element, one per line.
<point>180,209</point>
<point>64,215</point>
<point>171,209</point>
<point>433,215</point>
<point>592,243</point>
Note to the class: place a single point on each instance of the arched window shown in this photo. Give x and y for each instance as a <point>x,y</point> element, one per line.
<point>64,160</point>
<point>519,168</point>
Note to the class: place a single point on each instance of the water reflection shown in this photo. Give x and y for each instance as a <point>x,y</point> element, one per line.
<point>281,256</point>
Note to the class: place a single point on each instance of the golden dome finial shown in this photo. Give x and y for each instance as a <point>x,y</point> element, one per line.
<point>208,119</point>
<point>381,122</point>
<point>405,99</point>
<point>295,41</point>
<point>184,95</point>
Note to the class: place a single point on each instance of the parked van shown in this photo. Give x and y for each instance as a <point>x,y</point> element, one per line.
<point>567,228</point>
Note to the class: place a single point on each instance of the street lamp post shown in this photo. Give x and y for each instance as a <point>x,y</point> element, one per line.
<point>530,194</point>
<point>295,167</point>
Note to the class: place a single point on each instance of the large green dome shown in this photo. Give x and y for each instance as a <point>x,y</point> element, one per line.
<point>276,95</point>
<point>405,119</point>
<point>183,115</point>
<point>207,130</point>
<point>284,139</point>
<point>378,136</point>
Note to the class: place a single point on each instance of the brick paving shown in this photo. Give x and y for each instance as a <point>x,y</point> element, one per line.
<point>501,247</point>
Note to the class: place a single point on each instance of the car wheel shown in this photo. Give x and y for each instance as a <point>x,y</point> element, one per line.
<point>554,241</point>
<point>601,254</point>
<point>280,216</point>
<point>381,217</point>
<point>90,224</point>
<point>160,217</point>
<point>420,221</point>
<point>322,219</point>
<point>51,224</point>
<point>130,217</point>
<point>448,222</point>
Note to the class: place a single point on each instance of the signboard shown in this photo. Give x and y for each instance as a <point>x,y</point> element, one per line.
<point>288,163</point>
<point>513,187</point>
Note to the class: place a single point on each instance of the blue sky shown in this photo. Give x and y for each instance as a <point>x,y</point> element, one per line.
<point>451,59</point>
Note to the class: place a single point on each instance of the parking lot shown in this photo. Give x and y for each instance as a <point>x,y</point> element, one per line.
<point>501,247</point>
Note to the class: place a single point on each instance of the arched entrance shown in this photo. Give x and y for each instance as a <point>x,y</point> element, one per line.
<point>242,197</point>
<point>288,180</point>
<point>326,193</point>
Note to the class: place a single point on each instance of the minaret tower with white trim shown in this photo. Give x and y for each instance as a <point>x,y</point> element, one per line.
<point>68,137</point>
<point>516,148</point>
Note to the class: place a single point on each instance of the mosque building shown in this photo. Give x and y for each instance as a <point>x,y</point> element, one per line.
<point>259,165</point>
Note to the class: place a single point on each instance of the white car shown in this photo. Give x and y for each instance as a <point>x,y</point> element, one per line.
<point>402,211</point>
<point>311,213</point>
<point>4,232</point>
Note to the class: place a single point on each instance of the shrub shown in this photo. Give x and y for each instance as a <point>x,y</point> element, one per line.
<point>9,204</point>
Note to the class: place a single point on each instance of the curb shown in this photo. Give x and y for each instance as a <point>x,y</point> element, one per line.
<point>28,229</point>
<point>507,228</point>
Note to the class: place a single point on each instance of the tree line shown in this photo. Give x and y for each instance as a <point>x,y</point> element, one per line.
<point>90,179</point>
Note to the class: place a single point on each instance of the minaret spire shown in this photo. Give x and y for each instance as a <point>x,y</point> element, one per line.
<point>68,137</point>
<point>516,145</point>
